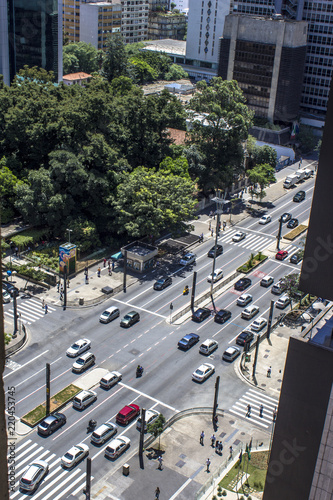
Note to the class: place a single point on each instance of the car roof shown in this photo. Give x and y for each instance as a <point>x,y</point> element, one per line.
<point>231,349</point>
<point>244,295</point>
<point>189,336</point>
<point>131,313</point>
<point>85,393</point>
<point>208,342</point>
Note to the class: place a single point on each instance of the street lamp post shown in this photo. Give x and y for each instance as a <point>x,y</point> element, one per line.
<point>220,201</point>
<point>69,234</point>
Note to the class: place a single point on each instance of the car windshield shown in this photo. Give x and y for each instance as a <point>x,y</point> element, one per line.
<point>69,456</point>
<point>44,425</point>
<point>160,282</point>
<point>80,361</point>
<point>76,346</point>
<point>127,317</point>
<point>199,372</point>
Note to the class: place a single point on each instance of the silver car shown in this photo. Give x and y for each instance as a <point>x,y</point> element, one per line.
<point>74,455</point>
<point>249,312</point>
<point>34,475</point>
<point>103,433</point>
<point>110,379</point>
<point>117,447</point>
<point>244,299</point>
<point>231,353</point>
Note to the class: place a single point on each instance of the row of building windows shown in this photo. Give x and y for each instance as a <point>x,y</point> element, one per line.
<point>309,80</point>
<point>325,7</point>
<point>316,49</point>
<point>314,101</point>
<point>320,61</point>
<point>319,18</point>
<point>316,70</point>
<point>323,40</point>
<point>322,92</point>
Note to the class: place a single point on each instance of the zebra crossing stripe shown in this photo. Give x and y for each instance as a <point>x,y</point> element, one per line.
<point>250,419</point>
<point>28,441</point>
<point>27,451</point>
<point>73,483</point>
<point>274,400</point>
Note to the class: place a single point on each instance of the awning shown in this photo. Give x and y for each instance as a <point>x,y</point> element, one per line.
<point>117,256</point>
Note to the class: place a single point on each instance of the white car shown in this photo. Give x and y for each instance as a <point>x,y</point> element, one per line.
<point>78,348</point>
<point>267,281</point>
<point>117,447</point>
<point>188,258</point>
<point>244,299</point>
<point>231,353</point>
<point>74,455</point>
<point>150,417</point>
<point>34,475</point>
<point>258,324</point>
<point>249,312</point>
<point>208,346</point>
<point>203,372</point>
<point>103,433</point>
<point>239,236</point>
<point>218,274</point>
<point>110,379</point>
<point>265,219</point>
<point>5,297</point>
<point>283,301</point>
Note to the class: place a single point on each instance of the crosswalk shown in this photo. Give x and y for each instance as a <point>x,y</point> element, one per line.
<point>253,241</point>
<point>58,483</point>
<point>29,310</point>
<point>256,398</point>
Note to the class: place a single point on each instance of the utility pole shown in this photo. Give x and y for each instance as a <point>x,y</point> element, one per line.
<point>256,356</point>
<point>15,313</point>
<point>279,234</point>
<point>48,388</point>
<point>86,491</point>
<point>142,435</point>
<point>193,289</point>
<point>216,395</point>
<point>125,271</point>
<point>65,288</point>
<point>270,318</point>
<point>214,259</point>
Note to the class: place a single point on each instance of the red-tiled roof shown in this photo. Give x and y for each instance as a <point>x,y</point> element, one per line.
<point>177,136</point>
<point>76,76</point>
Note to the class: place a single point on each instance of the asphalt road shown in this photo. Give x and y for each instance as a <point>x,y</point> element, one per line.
<point>166,384</point>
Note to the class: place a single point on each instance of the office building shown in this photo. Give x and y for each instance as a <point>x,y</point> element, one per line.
<point>99,20</point>
<point>266,56</point>
<point>254,7</point>
<point>71,19</point>
<point>134,20</point>
<point>31,34</point>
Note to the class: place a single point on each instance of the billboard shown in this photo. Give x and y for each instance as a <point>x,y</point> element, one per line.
<point>67,257</point>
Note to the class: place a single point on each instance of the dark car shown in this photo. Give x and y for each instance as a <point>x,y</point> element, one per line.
<point>292,223</point>
<point>9,287</point>
<point>244,337</point>
<point>243,283</point>
<point>130,318</point>
<point>219,251</point>
<point>296,258</point>
<point>188,341</point>
<point>200,314</point>
<point>286,216</point>
<point>300,196</point>
<point>222,316</point>
<point>51,423</point>
<point>162,283</point>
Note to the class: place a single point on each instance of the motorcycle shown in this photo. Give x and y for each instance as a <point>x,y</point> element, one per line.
<point>186,290</point>
<point>91,425</point>
<point>139,371</point>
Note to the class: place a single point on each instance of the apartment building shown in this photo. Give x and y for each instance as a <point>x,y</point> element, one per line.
<point>99,20</point>
<point>134,20</point>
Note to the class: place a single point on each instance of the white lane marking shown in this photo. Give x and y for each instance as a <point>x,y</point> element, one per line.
<point>140,308</point>
<point>175,495</point>
<point>71,486</point>
<point>158,401</point>
<point>27,363</point>
<point>36,373</point>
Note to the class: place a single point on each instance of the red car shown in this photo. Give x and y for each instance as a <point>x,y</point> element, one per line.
<point>127,414</point>
<point>281,255</point>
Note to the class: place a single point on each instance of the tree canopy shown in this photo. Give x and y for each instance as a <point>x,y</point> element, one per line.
<point>263,176</point>
<point>80,56</point>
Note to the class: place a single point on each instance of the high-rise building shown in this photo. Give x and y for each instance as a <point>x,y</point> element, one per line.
<point>31,34</point>
<point>71,19</point>
<point>134,20</point>
<point>99,20</point>
<point>255,7</point>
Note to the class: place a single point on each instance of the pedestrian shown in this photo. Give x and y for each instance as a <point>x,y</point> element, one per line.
<point>61,295</point>
<point>269,372</point>
<point>157,493</point>
<point>160,462</point>
<point>207,464</point>
<point>248,413</point>
<point>86,270</point>
<point>212,232</point>
<point>58,286</point>
<point>104,261</point>
<point>213,439</point>
<point>45,308</point>
<point>210,214</point>
<point>274,414</point>
<point>202,435</point>
<point>61,289</point>
<point>231,451</point>
<point>217,445</point>
<point>224,225</point>
<point>43,304</point>
<point>209,226</point>
<point>261,409</point>
<point>220,447</point>
<point>110,272</point>
<point>16,251</point>
<point>109,263</point>
<point>87,279</point>
<point>113,265</point>
<point>99,272</point>
<point>201,237</point>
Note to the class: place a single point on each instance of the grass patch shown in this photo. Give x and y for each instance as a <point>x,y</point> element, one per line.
<point>37,414</point>
<point>256,468</point>
<point>253,261</point>
<point>295,232</point>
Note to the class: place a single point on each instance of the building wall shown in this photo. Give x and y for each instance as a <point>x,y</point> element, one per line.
<point>163,26</point>
<point>134,22</point>
<point>98,21</point>
<point>4,52</point>
<point>255,7</point>
<point>71,19</point>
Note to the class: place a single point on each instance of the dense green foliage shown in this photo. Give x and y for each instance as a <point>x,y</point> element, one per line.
<point>258,155</point>
<point>261,176</point>
<point>81,56</point>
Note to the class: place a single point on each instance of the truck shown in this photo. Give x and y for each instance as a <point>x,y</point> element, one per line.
<point>290,181</point>
<point>300,175</point>
<point>308,172</point>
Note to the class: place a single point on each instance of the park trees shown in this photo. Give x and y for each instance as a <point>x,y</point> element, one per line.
<point>116,59</point>
<point>263,176</point>
<point>80,56</point>
<point>258,155</point>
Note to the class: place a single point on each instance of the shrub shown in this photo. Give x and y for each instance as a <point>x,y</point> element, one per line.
<point>224,493</point>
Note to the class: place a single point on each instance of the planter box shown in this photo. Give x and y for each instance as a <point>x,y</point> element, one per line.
<point>256,264</point>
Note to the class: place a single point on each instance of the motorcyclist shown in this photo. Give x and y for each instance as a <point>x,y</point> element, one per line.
<point>186,290</point>
<point>139,370</point>
<point>92,423</point>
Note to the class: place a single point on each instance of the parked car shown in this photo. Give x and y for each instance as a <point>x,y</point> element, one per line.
<point>219,251</point>
<point>285,217</point>
<point>103,433</point>
<point>249,312</point>
<point>244,299</point>
<point>10,288</point>
<point>208,346</point>
<point>109,315</point>
<point>130,319</point>
<point>222,316</point>
<point>187,259</point>
<point>239,236</point>
<point>83,362</point>
<point>243,337</point>
<point>292,223</point>
<point>74,455</point>
<point>203,372</point>
<point>265,219</point>
<point>258,324</point>
<point>84,399</point>
<point>162,283</point>
<point>283,302</point>
<point>201,314</point>
<point>34,475</point>
<point>231,353</point>
<point>127,413</point>
<point>242,284</point>
<point>279,287</point>
<point>296,257</point>
<point>300,196</point>
<point>267,281</point>
<point>188,341</point>
<point>110,379</point>
<point>117,447</point>
<point>150,417</point>
<point>281,255</point>
<point>5,297</point>
<point>78,348</point>
<point>51,424</point>
<point>218,274</point>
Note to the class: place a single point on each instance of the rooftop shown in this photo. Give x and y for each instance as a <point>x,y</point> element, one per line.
<point>76,76</point>
<point>177,47</point>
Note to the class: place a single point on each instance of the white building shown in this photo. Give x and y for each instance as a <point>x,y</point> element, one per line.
<point>134,21</point>
<point>181,5</point>
<point>98,21</point>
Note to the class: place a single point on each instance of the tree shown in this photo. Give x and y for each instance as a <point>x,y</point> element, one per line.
<point>292,282</point>
<point>8,184</point>
<point>116,59</point>
<point>263,175</point>
<point>80,56</point>
<point>258,155</point>
<point>219,129</point>
<point>175,72</point>
<point>156,428</point>
<point>34,74</point>
<point>306,138</point>
<point>142,71</point>
<point>146,202</point>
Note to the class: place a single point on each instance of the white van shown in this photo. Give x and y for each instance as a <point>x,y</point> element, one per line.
<point>110,314</point>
